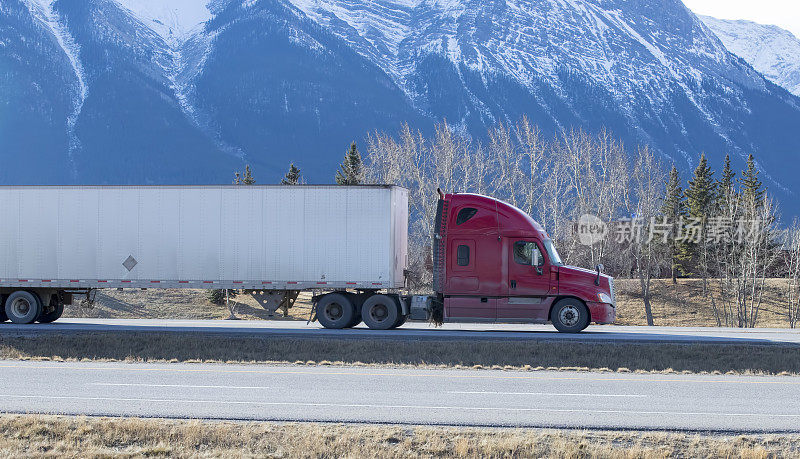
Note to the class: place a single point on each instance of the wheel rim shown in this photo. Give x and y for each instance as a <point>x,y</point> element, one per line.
<point>569,316</point>
<point>334,311</point>
<point>379,313</point>
<point>20,307</point>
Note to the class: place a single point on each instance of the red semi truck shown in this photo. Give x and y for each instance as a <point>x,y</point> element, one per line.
<point>492,263</point>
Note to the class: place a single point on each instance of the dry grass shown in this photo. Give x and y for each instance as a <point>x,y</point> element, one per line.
<point>51,436</point>
<point>495,354</point>
<point>683,305</point>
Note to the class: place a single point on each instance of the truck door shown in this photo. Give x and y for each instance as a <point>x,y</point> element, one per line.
<point>465,299</point>
<point>528,282</point>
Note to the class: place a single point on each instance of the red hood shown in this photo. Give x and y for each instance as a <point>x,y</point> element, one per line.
<point>581,282</point>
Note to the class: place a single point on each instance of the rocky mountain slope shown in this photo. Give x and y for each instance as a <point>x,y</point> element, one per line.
<point>771,50</point>
<point>186,91</point>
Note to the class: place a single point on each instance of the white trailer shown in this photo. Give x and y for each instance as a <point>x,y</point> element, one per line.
<point>270,240</point>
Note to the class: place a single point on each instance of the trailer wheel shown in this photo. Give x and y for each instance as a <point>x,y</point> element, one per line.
<point>569,316</point>
<point>23,307</point>
<point>380,312</point>
<point>335,310</point>
<point>53,315</point>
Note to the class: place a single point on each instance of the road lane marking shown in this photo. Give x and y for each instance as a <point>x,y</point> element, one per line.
<point>790,380</point>
<point>411,407</point>
<point>561,394</point>
<point>182,386</point>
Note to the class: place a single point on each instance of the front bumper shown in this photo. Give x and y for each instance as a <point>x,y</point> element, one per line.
<point>602,313</point>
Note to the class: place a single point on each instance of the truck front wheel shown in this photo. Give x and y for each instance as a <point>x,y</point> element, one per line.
<point>23,307</point>
<point>335,310</point>
<point>380,312</point>
<point>569,316</point>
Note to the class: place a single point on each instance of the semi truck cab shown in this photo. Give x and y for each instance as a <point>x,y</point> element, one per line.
<point>494,263</point>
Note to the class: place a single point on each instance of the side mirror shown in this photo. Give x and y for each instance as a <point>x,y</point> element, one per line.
<point>536,261</point>
<point>599,269</point>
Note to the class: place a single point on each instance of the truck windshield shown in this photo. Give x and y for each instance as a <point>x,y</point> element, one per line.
<point>555,258</point>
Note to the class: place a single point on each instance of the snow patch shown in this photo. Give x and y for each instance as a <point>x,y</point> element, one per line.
<point>174,20</point>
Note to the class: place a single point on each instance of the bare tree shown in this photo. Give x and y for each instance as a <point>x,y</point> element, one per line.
<point>792,259</point>
<point>649,255</point>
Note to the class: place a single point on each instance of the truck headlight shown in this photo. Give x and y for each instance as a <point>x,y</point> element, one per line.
<point>604,298</point>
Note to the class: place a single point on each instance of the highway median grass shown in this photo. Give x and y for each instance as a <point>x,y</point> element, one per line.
<point>475,354</point>
<point>61,436</point>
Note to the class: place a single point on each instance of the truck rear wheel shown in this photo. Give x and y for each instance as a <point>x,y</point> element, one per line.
<point>569,316</point>
<point>380,312</point>
<point>23,307</point>
<point>335,310</point>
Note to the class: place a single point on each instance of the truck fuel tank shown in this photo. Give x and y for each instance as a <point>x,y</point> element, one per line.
<point>420,307</point>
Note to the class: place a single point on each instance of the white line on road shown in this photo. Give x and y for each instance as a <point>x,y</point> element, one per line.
<point>413,407</point>
<point>182,386</point>
<point>560,394</point>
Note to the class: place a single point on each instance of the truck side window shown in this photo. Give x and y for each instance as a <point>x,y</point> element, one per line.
<point>465,214</point>
<point>462,255</point>
<point>523,253</point>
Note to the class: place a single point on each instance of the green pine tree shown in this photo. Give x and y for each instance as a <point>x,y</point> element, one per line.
<point>701,194</point>
<point>674,209</point>
<point>752,188</point>
<point>244,178</point>
<point>292,177</point>
<point>351,170</point>
<point>701,200</point>
<point>728,176</point>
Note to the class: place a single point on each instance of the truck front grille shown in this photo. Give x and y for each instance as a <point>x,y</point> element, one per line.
<point>612,291</point>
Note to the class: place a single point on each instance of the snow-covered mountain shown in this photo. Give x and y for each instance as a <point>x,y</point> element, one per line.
<point>148,91</point>
<point>771,50</point>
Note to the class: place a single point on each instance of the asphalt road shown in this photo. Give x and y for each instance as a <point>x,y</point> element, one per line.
<point>368,395</point>
<point>416,331</point>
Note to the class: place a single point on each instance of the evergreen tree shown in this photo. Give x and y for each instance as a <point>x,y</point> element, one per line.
<point>752,188</point>
<point>726,182</point>
<point>244,178</point>
<point>674,209</point>
<point>701,194</point>
<point>292,177</point>
<point>701,200</point>
<point>351,170</point>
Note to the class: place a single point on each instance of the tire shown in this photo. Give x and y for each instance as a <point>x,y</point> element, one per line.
<point>356,320</point>
<point>380,312</point>
<point>52,316</point>
<point>23,307</point>
<point>569,316</point>
<point>335,310</point>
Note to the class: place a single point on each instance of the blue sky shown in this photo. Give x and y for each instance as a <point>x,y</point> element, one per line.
<point>783,13</point>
